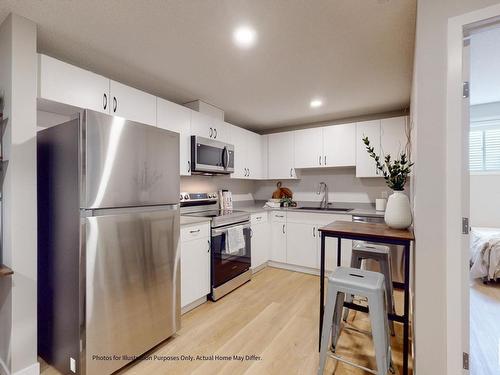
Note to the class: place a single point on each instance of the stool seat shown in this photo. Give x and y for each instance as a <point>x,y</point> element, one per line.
<point>355,278</point>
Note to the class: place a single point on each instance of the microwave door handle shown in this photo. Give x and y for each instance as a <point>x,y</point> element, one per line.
<point>225,156</point>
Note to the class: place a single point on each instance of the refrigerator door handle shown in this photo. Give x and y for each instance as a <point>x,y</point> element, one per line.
<point>128,210</point>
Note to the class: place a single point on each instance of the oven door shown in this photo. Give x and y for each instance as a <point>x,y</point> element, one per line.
<point>210,156</point>
<point>228,263</point>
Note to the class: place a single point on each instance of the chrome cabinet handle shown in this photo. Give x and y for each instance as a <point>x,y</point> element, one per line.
<point>215,132</point>
<point>258,218</point>
<point>208,241</point>
<point>115,104</point>
<point>189,166</point>
<point>314,231</point>
<point>194,231</point>
<point>248,172</point>
<point>283,228</point>
<point>211,132</point>
<point>279,216</point>
<point>104,101</point>
<point>245,174</point>
<point>320,160</point>
<point>325,160</point>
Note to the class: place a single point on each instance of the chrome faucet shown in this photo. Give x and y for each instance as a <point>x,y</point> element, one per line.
<point>323,187</point>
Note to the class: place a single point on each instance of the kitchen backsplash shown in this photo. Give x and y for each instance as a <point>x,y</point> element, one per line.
<point>342,184</point>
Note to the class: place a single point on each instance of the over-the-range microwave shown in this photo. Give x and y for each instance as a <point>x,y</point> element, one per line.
<point>209,156</point>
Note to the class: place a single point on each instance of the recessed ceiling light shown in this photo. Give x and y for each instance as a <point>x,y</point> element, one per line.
<point>244,36</point>
<point>315,103</point>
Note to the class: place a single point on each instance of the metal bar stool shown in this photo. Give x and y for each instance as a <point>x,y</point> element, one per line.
<point>382,255</point>
<point>350,281</point>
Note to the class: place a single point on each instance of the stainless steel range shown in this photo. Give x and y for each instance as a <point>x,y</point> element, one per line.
<point>230,241</point>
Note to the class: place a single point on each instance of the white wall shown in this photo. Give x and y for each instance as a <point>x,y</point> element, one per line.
<point>429,116</point>
<point>18,293</point>
<point>241,189</point>
<point>343,186</point>
<point>485,200</point>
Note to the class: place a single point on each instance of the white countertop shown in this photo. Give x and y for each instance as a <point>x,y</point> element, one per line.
<point>189,220</point>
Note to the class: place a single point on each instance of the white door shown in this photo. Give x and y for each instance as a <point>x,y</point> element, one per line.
<point>302,243</point>
<point>222,131</point>
<point>280,155</point>
<point>339,145</point>
<point>260,243</point>
<point>132,104</point>
<point>308,148</point>
<point>240,142</point>
<point>393,138</point>
<point>64,83</point>
<point>202,125</point>
<point>254,155</point>
<point>365,165</point>
<point>195,270</point>
<point>278,242</point>
<point>177,118</point>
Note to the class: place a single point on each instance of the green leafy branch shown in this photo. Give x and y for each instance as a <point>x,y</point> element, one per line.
<point>395,172</point>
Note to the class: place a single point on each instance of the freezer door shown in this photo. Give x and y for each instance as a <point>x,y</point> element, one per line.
<point>126,164</point>
<point>132,299</point>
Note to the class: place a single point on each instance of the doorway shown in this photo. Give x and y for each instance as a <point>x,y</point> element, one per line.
<point>482,49</point>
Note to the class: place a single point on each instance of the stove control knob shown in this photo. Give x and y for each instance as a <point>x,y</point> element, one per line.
<point>181,197</point>
<point>186,197</point>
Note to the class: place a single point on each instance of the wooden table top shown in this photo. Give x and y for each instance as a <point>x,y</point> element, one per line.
<point>367,230</point>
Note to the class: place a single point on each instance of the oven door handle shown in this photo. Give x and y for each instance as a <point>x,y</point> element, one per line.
<point>218,231</point>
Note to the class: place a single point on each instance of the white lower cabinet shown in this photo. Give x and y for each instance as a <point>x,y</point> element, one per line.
<point>302,245</point>
<point>260,239</point>
<point>195,262</point>
<point>278,237</point>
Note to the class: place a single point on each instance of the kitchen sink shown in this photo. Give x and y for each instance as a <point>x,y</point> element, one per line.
<point>326,209</point>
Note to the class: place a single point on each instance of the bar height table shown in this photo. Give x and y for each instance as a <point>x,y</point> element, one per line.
<point>377,233</point>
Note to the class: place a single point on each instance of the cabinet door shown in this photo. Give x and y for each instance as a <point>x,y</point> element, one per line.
<point>302,243</point>
<point>365,165</point>
<point>308,148</point>
<point>264,165</point>
<point>331,253</point>
<point>65,83</point>
<point>339,145</point>
<point>393,138</point>
<point>177,118</point>
<point>195,270</point>
<point>278,242</point>
<point>240,142</point>
<point>254,155</point>
<point>260,244</point>
<point>210,127</point>
<point>280,154</point>
<point>132,104</point>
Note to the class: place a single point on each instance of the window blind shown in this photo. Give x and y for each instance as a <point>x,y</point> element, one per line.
<point>484,149</point>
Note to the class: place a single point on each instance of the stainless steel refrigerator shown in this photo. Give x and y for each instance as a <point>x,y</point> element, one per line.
<point>108,233</point>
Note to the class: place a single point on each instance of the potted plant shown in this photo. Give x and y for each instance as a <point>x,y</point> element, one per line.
<point>395,172</point>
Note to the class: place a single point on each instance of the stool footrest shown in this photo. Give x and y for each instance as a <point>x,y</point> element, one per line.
<point>364,309</point>
<point>342,359</point>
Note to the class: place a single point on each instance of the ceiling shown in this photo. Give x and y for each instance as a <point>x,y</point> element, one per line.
<point>485,67</point>
<point>356,55</point>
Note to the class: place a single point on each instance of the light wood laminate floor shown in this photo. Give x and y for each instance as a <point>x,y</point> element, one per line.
<point>274,317</point>
<point>484,328</point>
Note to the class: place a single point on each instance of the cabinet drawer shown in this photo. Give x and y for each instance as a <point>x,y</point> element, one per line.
<point>261,217</point>
<point>195,231</point>
<point>278,216</point>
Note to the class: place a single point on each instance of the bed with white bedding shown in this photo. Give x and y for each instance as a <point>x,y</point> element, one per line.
<point>485,253</point>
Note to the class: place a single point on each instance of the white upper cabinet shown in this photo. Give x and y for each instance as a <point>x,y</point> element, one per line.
<point>248,150</point>
<point>339,145</point>
<point>308,148</point>
<point>177,118</point>
<point>132,104</point>
<point>64,83</point>
<point>365,165</point>
<point>393,138</point>
<point>280,156</point>
<point>330,146</point>
<point>238,139</point>
<point>209,127</point>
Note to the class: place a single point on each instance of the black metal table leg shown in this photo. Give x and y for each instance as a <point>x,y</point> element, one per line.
<point>339,251</point>
<point>321,287</point>
<point>406,313</point>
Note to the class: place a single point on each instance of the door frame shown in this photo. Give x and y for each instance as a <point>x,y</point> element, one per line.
<point>457,267</point>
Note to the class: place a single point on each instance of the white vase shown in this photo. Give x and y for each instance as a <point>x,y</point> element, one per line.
<point>398,211</point>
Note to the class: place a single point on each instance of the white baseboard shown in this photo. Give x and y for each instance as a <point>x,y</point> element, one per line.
<point>292,267</point>
<point>34,369</point>
<point>193,305</point>
<point>259,268</point>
